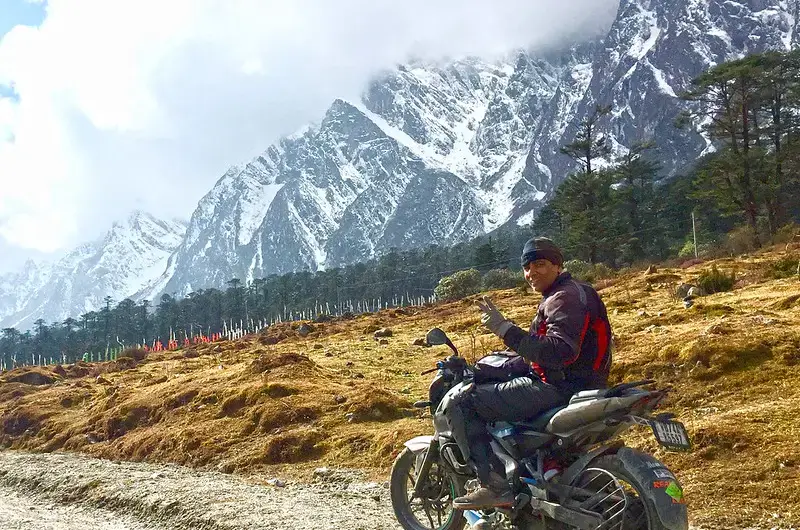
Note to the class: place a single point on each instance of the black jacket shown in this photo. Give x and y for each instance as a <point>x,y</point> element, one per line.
<point>569,342</point>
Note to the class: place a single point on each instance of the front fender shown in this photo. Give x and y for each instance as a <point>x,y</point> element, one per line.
<point>660,484</point>
<point>419,444</point>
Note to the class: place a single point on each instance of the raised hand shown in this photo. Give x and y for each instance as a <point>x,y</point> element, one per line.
<point>492,318</point>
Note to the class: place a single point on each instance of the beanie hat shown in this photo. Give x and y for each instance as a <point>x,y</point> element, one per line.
<point>541,248</point>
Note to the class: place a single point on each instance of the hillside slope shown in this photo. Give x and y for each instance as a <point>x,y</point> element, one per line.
<point>339,398</point>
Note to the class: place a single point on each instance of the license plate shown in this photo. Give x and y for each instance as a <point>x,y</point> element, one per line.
<point>671,434</point>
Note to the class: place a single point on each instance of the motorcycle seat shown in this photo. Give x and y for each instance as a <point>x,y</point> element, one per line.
<point>615,391</point>
<point>539,422</point>
<point>587,395</point>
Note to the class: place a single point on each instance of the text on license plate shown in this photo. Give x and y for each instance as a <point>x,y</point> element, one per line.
<point>671,434</point>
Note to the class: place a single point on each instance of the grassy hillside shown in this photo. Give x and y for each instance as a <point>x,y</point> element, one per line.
<point>285,403</point>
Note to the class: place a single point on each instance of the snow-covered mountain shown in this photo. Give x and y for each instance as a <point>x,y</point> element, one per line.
<point>132,254</point>
<point>431,153</point>
<point>650,55</point>
<point>438,153</point>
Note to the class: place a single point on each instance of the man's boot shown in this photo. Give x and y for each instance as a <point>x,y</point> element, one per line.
<point>496,494</point>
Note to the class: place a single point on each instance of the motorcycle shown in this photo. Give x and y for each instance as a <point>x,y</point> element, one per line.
<point>568,467</point>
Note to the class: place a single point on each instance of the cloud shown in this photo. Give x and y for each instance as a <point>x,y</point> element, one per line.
<point>125,104</point>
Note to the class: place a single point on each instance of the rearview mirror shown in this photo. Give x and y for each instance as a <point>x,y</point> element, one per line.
<point>436,337</point>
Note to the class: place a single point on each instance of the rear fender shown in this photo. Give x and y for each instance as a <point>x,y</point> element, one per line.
<point>577,467</point>
<point>419,444</point>
<point>660,484</point>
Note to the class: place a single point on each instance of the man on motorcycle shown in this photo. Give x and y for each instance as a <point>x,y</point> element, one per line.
<point>569,348</point>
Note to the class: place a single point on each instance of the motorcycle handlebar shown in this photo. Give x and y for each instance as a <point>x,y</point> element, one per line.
<point>455,363</point>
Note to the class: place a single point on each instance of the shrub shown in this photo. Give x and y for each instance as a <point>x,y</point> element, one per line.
<point>587,272</point>
<point>716,281</point>
<point>786,234</point>
<point>740,240</point>
<point>458,285</point>
<point>501,279</point>
<point>687,251</point>
<point>578,269</point>
<point>784,268</point>
<point>137,354</point>
<point>709,244</point>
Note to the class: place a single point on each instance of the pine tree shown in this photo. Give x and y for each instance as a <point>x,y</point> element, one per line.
<point>733,98</point>
<point>588,145</point>
<point>580,199</point>
<point>484,256</point>
<point>634,198</point>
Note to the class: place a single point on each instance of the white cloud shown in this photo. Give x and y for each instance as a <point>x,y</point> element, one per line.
<point>144,103</point>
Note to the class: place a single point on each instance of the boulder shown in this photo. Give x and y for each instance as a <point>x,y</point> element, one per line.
<point>718,329</point>
<point>683,289</point>
<point>321,472</point>
<point>695,291</point>
<point>383,332</point>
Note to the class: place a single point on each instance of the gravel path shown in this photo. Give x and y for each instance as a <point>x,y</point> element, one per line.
<point>69,492</point>
<point>76,492</point>
<point>18,512</point>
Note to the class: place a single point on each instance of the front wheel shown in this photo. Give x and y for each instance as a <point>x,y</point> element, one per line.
<point>434,509</point>
<point>619,497</point>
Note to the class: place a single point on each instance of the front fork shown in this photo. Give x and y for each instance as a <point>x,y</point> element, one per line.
<point>473,517</point>
<point>431,456</point>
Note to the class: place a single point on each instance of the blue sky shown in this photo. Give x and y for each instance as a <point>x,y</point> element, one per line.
<point>15,12</point>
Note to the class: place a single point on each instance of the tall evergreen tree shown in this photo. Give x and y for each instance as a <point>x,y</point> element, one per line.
<point>588,145</point>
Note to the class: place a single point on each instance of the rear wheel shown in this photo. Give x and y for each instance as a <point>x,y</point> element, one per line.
<point>618,496</point>
<point>433,510</point>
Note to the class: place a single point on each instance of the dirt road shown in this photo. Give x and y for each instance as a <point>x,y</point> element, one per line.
<point>19,512</point>
<point>73,492</point>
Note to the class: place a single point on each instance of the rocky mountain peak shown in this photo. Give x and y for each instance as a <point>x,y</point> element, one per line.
<point>432,153</point>
<point>132,253</point>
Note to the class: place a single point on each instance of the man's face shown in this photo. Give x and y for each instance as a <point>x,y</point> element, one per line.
<point>541,274</point>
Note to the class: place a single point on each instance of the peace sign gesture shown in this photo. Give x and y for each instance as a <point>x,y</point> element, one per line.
<point>492,318</point>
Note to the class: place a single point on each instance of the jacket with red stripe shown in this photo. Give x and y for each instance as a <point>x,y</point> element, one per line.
<point>569,343</point>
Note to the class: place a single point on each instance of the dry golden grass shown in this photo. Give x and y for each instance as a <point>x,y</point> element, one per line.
<point>285,403</point>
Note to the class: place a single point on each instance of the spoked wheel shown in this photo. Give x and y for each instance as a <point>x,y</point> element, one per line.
<point>433,510</point>
<point>617,497</point>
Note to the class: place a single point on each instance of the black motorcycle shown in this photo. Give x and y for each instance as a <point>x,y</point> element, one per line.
<point>567,465</point>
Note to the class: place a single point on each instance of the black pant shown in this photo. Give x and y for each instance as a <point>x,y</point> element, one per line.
<point>520,399</point>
